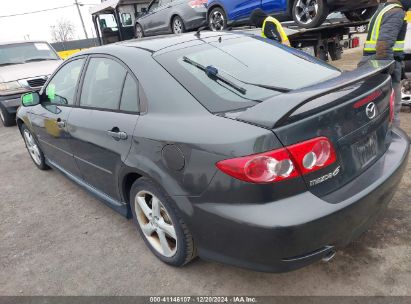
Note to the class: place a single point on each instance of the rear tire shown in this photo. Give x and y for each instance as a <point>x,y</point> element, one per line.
<point>309,13</point>
<point>158,221</point>
<point>217,19</point>
<point>139,33</point>
<point>362,14</point>
<point>6,118</point>
<point>177,25</point>
<point>35,152</point>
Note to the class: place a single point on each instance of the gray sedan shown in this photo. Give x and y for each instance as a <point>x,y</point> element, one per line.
<point>171,16</point>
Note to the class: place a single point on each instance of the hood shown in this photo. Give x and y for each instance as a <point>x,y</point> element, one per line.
<point>28,70</point>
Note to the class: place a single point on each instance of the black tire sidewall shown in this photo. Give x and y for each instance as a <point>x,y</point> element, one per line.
<point>43,165</point>
<point>9,119</point>
<point>318,20</point>
<point>183,28</point>
<point>222,12</point>
<point>146,184</point>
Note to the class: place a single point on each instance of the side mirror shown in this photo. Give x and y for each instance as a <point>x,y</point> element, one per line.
<point>144,10</point>
<point>30,99</point>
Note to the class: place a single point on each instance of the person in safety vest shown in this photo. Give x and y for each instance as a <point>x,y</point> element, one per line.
<point>271,27</point>
<point>385,41</point>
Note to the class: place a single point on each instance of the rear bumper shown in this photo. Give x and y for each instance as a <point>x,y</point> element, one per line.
<point>196,21</point>
<point>293,232</point>
<point>11,102</point>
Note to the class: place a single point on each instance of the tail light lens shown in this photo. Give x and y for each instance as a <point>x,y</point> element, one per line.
<point>281,164</point>
<point>392,105</point>
<point>355,42</point>
<point>198,3</point>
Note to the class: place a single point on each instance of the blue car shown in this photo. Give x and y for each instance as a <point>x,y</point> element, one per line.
<point>306,13</point>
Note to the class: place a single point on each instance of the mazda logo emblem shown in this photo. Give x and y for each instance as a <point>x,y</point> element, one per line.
<point>371,110</point>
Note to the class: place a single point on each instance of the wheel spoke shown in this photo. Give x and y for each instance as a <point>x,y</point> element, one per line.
<point>167,228</point>
<point>148,229</point>
<point>144,207</point>
<point>155,206</point>
<point>163,242</point>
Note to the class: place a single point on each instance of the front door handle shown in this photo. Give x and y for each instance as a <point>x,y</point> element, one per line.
<point>117,134</point>
<point>61,123</point>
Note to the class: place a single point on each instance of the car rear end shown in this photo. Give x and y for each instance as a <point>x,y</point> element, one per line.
<point>194,13</point>
<point>334,165</point>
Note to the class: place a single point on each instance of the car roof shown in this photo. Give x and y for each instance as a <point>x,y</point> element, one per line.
<point>157,43</point>
<point>22,41</point>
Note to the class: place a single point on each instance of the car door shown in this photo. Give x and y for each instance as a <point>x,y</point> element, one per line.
<point>103,123</point>
<point>50,118</point>
<point>159,21</point>
<point>243,8</point>
<point>274,6</point>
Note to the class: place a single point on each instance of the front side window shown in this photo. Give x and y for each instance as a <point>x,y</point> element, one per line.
<point>103,84</point>
<point>153,6</point>
<point>126,19</point>
<point>62,88</point>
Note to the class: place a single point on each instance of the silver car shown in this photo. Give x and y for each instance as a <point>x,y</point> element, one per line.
<point>171,16</point>
<point>24,67</point>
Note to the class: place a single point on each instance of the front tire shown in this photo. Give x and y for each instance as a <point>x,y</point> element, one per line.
<point>6,118</point>
<point>35,152</point>
<point>362,14</point>
<point>159,224</point>
<point>177,25</point>
<point>309,13</point>
<point>139,33</point>
<point>217,19</point>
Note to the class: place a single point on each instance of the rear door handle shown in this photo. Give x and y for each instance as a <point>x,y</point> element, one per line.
<point>61,123</point>
<point>118,135</point>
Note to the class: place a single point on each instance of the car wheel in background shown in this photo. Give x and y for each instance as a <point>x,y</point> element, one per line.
<point>162,229</point>
<point>362,14</point>
<point>309,13</point>
<point>6,118</point>
<point>217,20</point>
<point>33,148</point>
<point>177,25</point>
<point>139,31</point>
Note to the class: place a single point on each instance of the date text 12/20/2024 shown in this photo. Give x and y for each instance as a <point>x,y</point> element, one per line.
<point>203,299</point>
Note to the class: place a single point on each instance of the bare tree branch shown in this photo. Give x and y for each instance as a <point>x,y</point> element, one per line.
<point>63,31</point>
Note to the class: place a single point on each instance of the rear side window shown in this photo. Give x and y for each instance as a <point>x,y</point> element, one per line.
<point>103,84</point>
<point>62,88</point>
<point>252,67</point>
<point>129,99</point>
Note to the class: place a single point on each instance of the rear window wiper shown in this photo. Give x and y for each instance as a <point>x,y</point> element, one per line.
<point>212,72</point>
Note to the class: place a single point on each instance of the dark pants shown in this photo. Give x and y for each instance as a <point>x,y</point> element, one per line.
<point>396,84</point>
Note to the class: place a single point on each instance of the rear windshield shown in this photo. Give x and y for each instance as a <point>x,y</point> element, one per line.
<point>25,52</point>
<point>252,69</point>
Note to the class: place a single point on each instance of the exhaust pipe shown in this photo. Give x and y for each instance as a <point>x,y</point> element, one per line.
<point>329,256</point>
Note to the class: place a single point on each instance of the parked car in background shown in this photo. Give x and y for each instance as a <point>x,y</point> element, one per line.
<point>306,13</point>
<point>167,16</point>
<point>269,161</point>
<point>24,67</point>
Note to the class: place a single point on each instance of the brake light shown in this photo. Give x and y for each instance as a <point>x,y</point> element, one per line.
<point>392,105</point>
<point>355,42</point>
<point>373,96</point>
<point>198,3</point>
<point>281,164</point>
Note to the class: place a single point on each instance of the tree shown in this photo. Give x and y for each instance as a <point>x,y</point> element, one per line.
<point>63,31</point>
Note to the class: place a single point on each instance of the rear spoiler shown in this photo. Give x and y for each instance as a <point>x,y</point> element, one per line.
<point>272,112</point>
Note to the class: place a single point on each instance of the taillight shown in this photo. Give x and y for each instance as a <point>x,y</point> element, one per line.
<point>373,96</point>
<point>355,42</point>
<point>281,164</point>
<point>198,3</point>
<point>392,105</point>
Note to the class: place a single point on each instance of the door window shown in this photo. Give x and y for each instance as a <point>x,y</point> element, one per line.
<point>103,84</point>
<point>62,88</point>
<point>129,99</point>
<point>153,6</point>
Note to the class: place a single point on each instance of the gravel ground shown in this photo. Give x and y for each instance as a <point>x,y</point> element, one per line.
<point>56,239</point>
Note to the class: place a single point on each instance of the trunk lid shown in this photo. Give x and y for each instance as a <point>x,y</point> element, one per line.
<point>352,111</point>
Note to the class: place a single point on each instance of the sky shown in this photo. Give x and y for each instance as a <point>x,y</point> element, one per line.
<point>37,26</point>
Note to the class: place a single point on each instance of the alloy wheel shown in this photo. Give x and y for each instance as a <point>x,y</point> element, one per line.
<point>306,11</point>
<point>139,32</point>
<point>155,223</point>
<point>32,147</point>
<point>217,21</point>
<point>2,116</point>
<point>177,26</point>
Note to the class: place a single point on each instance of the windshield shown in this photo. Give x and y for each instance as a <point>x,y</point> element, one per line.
<point>262,68</point>
<point>26,52</point>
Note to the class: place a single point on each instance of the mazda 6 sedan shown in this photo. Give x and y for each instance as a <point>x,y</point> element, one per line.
<point>223,145</point>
